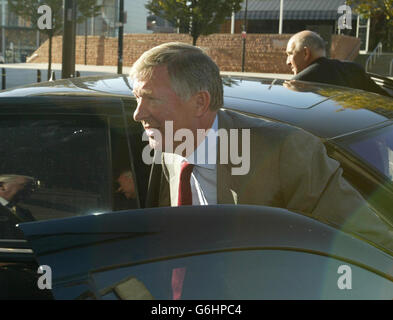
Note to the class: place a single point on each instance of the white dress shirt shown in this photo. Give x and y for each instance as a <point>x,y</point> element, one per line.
<point>204,174</point>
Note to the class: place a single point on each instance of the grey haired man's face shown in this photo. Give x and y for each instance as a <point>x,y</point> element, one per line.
<point>296,58</point>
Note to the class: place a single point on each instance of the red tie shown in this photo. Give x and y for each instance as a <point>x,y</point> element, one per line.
<point>184,199</point>
<point>185,195</point>
<point>178,275</point>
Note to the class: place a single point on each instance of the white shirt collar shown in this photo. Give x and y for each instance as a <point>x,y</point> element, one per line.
<point>3,201</point>
<point>205,155</point>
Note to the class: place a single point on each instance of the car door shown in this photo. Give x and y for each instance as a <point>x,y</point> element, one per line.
<point>367,160</point>
<point>74,148</point>
<point>225,252</point>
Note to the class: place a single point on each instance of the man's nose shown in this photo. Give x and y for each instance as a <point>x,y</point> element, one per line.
<point>141,112</point>
<point>288,61</point>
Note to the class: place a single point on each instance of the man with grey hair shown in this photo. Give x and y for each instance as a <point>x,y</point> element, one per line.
<point>289,168</point>
<point>306,55</point>
<point>179,84</point>
<point>14,188</point>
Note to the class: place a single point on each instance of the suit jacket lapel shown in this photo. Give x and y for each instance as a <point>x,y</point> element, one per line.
<point>18,213</point>
<point>4,214</point>
<point>225,183</point>
<point>158,188</point>
<point>158,191</point>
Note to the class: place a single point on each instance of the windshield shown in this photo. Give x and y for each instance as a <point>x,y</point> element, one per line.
<point>375,148</point>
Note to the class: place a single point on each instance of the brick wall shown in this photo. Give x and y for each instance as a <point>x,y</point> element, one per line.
<point>344,47</point>
<point>264,52</point>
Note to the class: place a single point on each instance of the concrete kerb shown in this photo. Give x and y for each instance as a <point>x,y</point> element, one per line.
<point>57,66</point>
<point>126,70</point>
<point>255,74</point>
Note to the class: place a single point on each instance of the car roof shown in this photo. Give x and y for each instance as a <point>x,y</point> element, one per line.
<point>324,110</point>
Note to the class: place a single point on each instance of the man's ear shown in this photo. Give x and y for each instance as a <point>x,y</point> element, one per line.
<point>201,102</point>
<point>2,186</point>
<point>307,54</point>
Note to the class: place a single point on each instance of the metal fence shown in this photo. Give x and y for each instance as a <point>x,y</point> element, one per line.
<point>373,56</point>
<point>39,77</point>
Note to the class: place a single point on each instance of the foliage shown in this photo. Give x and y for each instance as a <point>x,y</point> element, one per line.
<point>28,9</point>
<point>203,16</point>
<point>369,8</point>
<point>381,14</point>
<point>88,9</point>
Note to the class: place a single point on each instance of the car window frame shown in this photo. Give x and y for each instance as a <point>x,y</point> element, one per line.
<point>81,118</point>
<point>85,108</point>
<point>343,142</point>
<point>365,179</point>
<point>99,294</point>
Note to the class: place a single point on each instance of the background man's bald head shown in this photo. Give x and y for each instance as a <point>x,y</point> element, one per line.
<point>311,40</point>
<point>303,49</point>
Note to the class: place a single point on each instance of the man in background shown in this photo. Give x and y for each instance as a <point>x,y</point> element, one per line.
<point>14,188</point>
<point>306,55</point>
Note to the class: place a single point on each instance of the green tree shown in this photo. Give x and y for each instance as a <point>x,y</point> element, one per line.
<point>87,9</point>
<point>381,14</point>
<point>28,10</point>
<point>202,16</point>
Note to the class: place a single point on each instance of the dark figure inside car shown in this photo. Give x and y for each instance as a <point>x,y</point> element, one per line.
<point>126,184</point>
<point>14,188</point>
<point>306,55</point>
<point>125,197</point>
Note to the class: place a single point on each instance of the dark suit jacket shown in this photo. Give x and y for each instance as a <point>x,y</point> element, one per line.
<point>8,222</point>
<point>290,169</point>
<point>339,73</point>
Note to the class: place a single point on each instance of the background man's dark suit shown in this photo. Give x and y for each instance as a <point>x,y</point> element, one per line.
<point>290,169</point>
<point>339,73</point>
<point>8,220</point>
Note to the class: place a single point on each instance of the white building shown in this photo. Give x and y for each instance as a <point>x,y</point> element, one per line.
<point>137,20</point>
<point>136,16</point>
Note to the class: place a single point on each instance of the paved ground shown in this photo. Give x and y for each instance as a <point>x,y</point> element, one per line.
<point>19,74</point>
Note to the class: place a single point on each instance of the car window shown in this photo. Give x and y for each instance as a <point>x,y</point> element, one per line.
<point>69,160</point>
<point>127,146</point>
<point>245,274</point>
<point>376,149</point>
